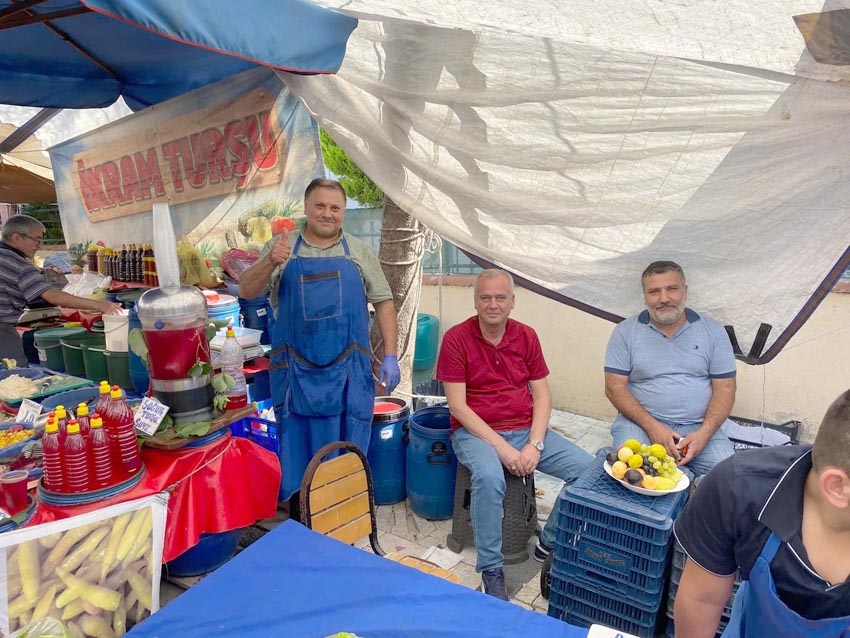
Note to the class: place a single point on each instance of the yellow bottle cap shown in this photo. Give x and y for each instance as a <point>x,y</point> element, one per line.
<point>60,412</point>
<point>96,421</point>
<point>73,427</point>
<point>82,410</point>
<point>116,392</point>
<point>230,332</point>
<point>51,426</point>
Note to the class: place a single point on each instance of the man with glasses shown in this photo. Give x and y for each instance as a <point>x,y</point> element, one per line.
<point>21,284</point>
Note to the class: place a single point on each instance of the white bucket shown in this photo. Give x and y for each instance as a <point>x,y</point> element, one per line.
<point>116,328</point>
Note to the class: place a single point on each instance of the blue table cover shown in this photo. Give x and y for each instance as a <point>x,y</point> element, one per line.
<point>296,583</point>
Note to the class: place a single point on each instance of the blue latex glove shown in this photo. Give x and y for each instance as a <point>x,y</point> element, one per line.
<point>390,374</point>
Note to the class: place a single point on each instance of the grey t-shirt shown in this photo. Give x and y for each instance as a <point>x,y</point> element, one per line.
<point>374,282</point>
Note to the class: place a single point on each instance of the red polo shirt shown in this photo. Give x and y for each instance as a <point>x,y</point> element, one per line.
<point>496,377</point>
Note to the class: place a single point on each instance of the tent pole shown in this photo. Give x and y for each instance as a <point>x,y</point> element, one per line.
<point>27,129</point>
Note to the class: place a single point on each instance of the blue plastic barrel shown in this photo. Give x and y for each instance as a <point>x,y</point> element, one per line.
<point>431,464</point>
<point>139,376</point>
<point>386,449</point>
<point>427,338</point>
<point>226,307</point>
<point>211,552</point>
<point>255,314</point>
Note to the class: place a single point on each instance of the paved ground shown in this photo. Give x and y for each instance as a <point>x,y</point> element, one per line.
<point>403,531</point>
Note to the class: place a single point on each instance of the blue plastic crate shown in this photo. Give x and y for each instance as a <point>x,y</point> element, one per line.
<point>263,433</point>
<point>627,576</point>
<point>583,607</point>
<point>598,507</point>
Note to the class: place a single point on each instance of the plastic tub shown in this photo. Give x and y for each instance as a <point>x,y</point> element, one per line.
<point>72,351</point>
<point>116,328</point>
<point>49,348</point>
<point>118,365</point>
<point>94,357</point>
<point>427,339</point>
<point>223,308</point>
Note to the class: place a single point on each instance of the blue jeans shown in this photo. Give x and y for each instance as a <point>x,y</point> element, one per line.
<point>718,447</point>
<point>561,458</point>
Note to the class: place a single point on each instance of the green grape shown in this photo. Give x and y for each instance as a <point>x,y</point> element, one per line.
<point>657,465</point>
<point>653,459</point>
<point>644,448</point>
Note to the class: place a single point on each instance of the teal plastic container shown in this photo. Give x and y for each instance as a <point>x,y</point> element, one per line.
<point>427,340</point>
<point>431,464</point>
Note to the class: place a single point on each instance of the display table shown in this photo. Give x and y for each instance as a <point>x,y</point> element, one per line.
<point>295,582</point>
<point>220,486</point>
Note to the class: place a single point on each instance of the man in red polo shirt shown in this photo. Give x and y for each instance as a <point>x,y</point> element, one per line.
<point>494,375</point>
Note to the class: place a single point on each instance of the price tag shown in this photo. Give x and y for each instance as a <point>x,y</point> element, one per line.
<point>387,433</point>
<point>601,631</point>
<point>149,415</point>
<point>28,412</point>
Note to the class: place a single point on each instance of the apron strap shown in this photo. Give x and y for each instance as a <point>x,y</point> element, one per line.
<point>771,547</point>
<point>296,355</point>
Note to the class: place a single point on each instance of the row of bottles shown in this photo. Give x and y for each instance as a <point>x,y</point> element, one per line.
<point>136,263</point>
<point>88,453</point>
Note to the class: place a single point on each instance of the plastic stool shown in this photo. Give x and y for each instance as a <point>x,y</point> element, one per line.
<point>519,520</point>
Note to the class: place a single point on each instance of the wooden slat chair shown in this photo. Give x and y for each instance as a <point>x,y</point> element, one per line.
<point>338,500</point>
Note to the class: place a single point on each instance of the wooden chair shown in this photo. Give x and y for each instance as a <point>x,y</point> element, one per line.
<point>338,500</point>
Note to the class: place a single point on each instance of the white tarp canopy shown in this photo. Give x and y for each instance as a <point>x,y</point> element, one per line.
<point>574,143</point>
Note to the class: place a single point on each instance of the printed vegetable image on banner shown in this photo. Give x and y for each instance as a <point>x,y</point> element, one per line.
<point>96,574</point>
<point>231,160</point>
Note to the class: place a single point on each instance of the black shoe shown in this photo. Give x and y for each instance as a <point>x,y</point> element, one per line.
<point>541,552</point>
<point>493,583</point>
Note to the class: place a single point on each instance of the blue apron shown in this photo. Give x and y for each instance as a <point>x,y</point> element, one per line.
<point>321,365</point>
<point>759,613</point>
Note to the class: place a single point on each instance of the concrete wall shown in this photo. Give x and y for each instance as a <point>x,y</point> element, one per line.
<point>812,370</point>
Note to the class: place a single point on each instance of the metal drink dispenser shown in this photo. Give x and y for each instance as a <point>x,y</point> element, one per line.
<point>174,319</point>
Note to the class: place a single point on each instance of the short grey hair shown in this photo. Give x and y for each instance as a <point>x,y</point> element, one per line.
<point>492,273</point>
<point>21,224</point>
<point>660,267</point>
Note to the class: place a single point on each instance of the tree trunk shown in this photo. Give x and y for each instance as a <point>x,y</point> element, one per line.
<point>402,246</point>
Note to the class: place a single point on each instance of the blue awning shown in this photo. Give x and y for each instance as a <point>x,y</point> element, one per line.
<point>87,53</point>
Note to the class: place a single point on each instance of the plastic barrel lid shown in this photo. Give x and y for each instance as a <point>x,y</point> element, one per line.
<point>384,408</point>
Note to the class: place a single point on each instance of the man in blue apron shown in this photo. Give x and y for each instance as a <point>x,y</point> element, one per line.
<point>321,280</point>
<point>780,517</point>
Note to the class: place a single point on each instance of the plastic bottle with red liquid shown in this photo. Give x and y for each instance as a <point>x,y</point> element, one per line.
<point>121,427</point>
<point>103,398</point>
<point>61,421</point>
<point>100,450</point>
<point>75,459</point>
<point>83,419</point>
<point>52,459</point>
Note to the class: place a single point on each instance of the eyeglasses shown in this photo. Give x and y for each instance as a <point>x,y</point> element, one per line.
<point>37,240</point>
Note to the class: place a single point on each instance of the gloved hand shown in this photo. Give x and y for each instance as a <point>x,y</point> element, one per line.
<point>390,374</point>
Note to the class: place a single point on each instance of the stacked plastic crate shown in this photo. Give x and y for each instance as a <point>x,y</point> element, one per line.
<point>610,559</point>
<point>676,568</point>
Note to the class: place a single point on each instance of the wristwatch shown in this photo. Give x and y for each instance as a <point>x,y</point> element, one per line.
<point>538,444</point>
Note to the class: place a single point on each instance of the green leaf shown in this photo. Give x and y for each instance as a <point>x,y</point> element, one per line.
<point>165,424</point>
<point>195,428</point>
<point>206,368</point>
<point>220,402</point>
<point>136,341</point>
<point>219,383</point>
<point>229,381</point>
<point>210,331</point>
<point>196,370</point>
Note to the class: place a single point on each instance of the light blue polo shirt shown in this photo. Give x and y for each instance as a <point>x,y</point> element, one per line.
<point>671,376</point>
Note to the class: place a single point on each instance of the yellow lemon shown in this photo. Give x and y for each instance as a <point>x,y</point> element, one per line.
<point>658,451</point>
<point>633,445</point>
<point>624,454</point>
<point>636,461</point>
<point>619,469</point>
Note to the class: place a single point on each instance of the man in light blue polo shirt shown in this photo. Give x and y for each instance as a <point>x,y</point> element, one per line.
<point>670,372</point>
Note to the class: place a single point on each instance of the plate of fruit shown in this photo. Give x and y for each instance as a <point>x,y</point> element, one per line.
<point>645,469</point>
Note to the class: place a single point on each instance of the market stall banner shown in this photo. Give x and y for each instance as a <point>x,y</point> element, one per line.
<point>229,159</point>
